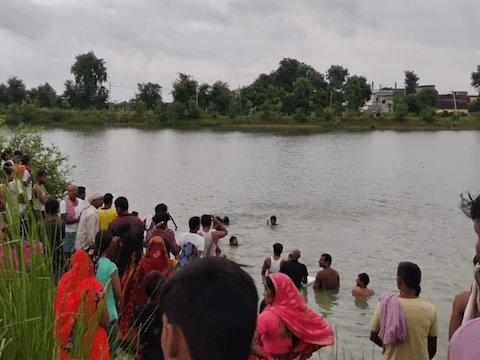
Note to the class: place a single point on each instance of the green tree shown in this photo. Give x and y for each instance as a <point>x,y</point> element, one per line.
<point>87,90</point>
<point>256,92</point>
<point>221,97</point>
<point>289,70</point>
<point>336,76</point>
<point>428,98</point>
<point>411,82</point>
<point>4,99</point>
<point>184,88</point>
<point>400,108</point>
<point>28,139</point>
<point>357,92</point>
<point>150,94</point>
<point>414,106</point>
<point>204,96</point>
<point>476,79</point>
<point>303,91</point>
<point>16,91</point>
<point>45,94</point>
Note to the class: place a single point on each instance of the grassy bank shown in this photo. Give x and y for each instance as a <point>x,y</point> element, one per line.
<point>350,120</point>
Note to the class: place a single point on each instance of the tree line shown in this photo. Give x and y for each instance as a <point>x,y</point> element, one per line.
<point>293,89</point>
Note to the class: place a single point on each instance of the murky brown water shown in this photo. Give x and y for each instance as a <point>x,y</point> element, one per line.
<point>369,199</point>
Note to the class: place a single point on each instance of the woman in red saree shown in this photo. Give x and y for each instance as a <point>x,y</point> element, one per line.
<point>78,298</point>
<point>287,328</point>
<point>133,281</point>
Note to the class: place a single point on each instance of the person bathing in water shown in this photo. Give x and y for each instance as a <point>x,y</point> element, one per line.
<point>273,263</point>
<point>361,288</point>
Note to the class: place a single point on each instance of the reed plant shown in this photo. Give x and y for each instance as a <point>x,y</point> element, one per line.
<point>27,289</point>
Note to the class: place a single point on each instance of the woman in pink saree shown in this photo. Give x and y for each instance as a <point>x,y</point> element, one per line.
<point>287,328</point>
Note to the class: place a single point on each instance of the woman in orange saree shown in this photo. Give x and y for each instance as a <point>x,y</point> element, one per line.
<point>77,304</point>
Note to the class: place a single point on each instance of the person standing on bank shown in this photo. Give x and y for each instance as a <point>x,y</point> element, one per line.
<point>106,214</point>
<point>88,224</point>
<point>70,211</point>
<point>405,325</point>
<point>40,195</point>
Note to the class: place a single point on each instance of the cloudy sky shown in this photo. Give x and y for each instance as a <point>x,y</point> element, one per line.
<point>236,40</point>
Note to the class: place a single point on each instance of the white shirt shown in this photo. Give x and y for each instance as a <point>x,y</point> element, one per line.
<point>195,239</point>
<point>28,187</point>
<point>210,247</point>
<point>16,188</point>
<point>69,228</point>
<point>87,227</point>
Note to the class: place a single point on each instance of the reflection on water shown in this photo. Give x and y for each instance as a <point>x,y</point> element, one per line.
<point>370,199</point>
<point>326,300</point>
<point>361,302</point>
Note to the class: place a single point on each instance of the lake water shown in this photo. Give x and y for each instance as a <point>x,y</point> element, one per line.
<point>370,199</point>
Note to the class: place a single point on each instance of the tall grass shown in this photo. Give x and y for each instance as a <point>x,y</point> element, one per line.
<point>27,290</point>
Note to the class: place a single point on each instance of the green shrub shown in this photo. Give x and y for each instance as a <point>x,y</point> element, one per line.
<point>28,140</point>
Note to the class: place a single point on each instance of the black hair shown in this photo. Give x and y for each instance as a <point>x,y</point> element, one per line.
<point>131,242</point>
<point>277,249</point>
<point>25,159</point>
<point>270,286</point>
<point>51,207</point>
<point>273,217</point>
<point>159,217</point>
<point>206,220</point>
<point>328,258</point>
<point>41,173</point>
<point>161,208</point>
<point>134,213</point>
<point>231,238</point>
<point>4,155</point>
<point>122,203</point>
<point>475,260</point>
<point>194,223</point>
<point>17,152</point>
<point>107,198</point>
<point>410,274</point>
<point>81,189</point>
<point>364,278</point>
<point>153,283</point>
<point>103,239</point>
<point>226,220</point>
<point>470,207</point>
<point>214,302</point>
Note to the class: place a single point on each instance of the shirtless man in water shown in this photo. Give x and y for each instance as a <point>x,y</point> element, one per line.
<point>361,289</point>
<point>328,278</point>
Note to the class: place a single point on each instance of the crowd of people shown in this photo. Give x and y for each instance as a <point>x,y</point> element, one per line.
<point>131,283</point>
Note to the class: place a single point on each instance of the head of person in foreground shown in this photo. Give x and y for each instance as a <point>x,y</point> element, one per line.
<point>209,311</point>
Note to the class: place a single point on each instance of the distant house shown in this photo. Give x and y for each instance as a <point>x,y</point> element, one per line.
<point>457,101</point>
<point>382,101</point>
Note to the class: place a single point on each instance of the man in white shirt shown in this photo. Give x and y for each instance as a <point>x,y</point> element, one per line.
<point>17,192</point>
<point>27,176</point>
<point>70,211</point>
<point>192,236</point>
<point>88,225</point>
<point>212,236</point>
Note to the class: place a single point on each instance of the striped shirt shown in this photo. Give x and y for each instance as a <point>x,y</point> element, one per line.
<point>134,220</point>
